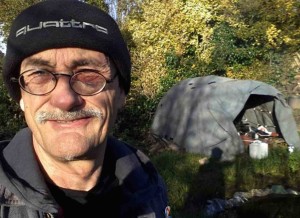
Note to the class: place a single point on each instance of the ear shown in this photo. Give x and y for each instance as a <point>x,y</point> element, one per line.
<point>22,104</point>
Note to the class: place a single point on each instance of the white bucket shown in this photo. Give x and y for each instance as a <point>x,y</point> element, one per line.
<point>258,149</point>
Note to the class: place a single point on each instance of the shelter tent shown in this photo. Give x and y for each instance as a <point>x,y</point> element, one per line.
<point>203,114</point>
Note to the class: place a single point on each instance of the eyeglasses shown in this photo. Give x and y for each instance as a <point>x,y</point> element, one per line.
<point>85,82</point>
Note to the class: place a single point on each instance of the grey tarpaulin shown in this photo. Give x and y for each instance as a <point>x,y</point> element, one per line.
<point>198,114</point>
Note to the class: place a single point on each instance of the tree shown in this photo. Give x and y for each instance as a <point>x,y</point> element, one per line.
<point>162,29</point>
<point>99,3</point>
<point>126,7</point>
<point>274,24</point>
<point>11,118</point>
<point>9,10</point>
<point>267,33</point>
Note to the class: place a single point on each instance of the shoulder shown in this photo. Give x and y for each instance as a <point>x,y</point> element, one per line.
<point>144,187</point>
<point>128,157</point>
<point>119,147</point>
<point>130,160</point>
<point>6,196</point>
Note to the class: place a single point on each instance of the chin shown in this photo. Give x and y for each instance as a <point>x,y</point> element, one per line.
<point>91,153</point>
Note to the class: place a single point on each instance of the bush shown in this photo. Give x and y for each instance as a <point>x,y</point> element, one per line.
<point>11,116</point>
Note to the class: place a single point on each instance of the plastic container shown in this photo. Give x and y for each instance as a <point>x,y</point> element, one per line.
<point>258,149</point>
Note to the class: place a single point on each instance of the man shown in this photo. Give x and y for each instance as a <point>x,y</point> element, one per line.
<point>69,67</point>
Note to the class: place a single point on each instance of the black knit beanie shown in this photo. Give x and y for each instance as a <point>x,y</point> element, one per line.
<point>63,23</point>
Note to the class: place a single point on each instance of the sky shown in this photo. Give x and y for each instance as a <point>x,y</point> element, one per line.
<point>2,45</point>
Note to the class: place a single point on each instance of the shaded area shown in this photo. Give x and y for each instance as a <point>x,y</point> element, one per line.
<point>275,206</point>
<point>192,183</point>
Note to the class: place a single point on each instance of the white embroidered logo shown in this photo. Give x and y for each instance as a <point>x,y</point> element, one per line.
<point>60,24</point>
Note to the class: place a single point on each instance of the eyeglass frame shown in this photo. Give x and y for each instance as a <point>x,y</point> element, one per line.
<point>56,74</point>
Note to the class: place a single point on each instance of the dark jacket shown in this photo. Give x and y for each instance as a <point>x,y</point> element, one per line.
<point>24,193</point>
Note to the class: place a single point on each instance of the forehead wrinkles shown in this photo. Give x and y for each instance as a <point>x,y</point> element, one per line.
<point>68,58</point>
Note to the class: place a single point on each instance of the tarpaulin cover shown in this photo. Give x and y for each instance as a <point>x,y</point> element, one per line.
<point>198,114</point>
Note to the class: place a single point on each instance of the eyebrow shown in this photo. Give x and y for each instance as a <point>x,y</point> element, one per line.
<point>37,61</point>
<point>75,63</point>
<point>85,62</point>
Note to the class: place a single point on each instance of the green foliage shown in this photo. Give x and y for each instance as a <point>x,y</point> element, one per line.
<point>230,51</point>
<point>294,162</point>
<point>159,28</point>
<point>134,120</point>
<point>11,116</point>
<point>178,68</point>
<point>98,3</point>
<point>9,9</point>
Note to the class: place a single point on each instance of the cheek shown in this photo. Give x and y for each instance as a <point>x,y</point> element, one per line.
<point>29,114</point>
<point>110,106</point>
<point>30,106</point>
<point>109,101</point>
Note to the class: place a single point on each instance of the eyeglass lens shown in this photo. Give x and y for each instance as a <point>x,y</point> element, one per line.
<point>41,82</point>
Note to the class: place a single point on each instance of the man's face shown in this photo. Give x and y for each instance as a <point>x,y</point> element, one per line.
<point>65,125</point>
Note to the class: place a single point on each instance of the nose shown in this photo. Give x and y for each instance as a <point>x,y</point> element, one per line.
<point>63,97</point>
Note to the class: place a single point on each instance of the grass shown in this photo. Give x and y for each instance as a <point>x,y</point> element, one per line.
<point>191,184</point>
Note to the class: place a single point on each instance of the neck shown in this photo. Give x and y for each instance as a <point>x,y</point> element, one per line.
<point>82,174</point>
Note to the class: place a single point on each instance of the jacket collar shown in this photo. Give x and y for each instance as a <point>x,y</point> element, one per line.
<point>24,175</point>
<point>20,156</point>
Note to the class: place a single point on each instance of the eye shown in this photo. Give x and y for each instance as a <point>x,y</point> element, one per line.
<point>37,77</point>
<point>88,77</point>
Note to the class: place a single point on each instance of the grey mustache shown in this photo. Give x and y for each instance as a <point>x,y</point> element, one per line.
<point>43,116</point>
